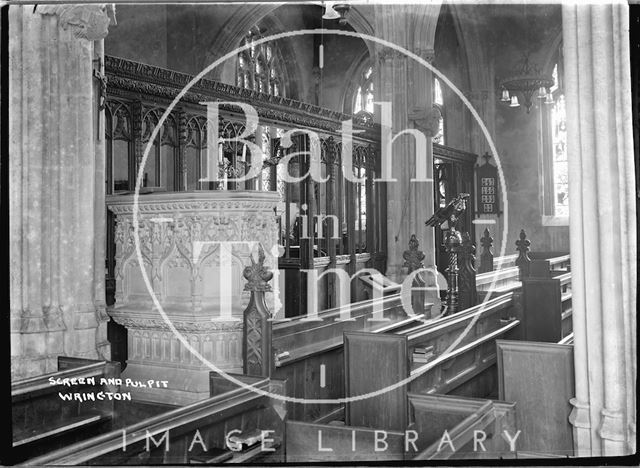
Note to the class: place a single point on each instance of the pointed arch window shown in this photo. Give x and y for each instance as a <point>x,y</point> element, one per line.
<point>260,67</point>
<point>363,99</point>
<point>555,166</point>
<point>438,105</point>
<point>560,164</point>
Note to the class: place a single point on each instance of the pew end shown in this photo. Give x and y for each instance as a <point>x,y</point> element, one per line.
<point>539,378</point>
<point>461,427</point>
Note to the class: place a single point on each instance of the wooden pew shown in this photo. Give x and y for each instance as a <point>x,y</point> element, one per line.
<point>505,269</point>
<point>548,311</point>
<point>311,442</point>
<point>550,267</point>
<point>506,261</point>
<point>376,361</point>
<point>182,435</point>
<point>463,419</point>
<point>498,282</point>
<point>467,421</point>
<point>539,378</point>
<point>42,420</point>
<point>301,347</point>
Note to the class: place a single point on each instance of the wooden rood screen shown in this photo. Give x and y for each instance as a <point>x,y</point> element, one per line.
<point>338,223</point>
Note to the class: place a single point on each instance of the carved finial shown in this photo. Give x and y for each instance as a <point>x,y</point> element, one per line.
<point>523,261</point>
<point>486,240</point>
<point>486,156</point>
<point>257,274</point>
<point>468,246</point>
<point>413,257</point>
<point>467,275</point>
<point>523,244</point>
<point>486,257</point>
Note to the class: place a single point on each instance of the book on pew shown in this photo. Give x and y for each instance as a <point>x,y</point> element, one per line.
<point>423,354</point>
<point>246,439</point>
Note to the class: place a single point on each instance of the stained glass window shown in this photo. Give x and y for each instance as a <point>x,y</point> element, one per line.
<point>363,100</point>
<point>438,105</point>
<point>559,149</point>
<point>260,66</point>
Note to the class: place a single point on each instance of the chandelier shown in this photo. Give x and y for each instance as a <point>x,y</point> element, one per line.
<point>526,80</point>
<point>336,10</point>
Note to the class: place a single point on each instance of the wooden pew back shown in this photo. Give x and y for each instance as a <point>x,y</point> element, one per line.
<point>548,306</point>
<point>44,420</point>
<point>375,361</point>
<point>550,267</point>
<point>309,442</point>
<point>310,357</point>
<point>169,438</point>
<point>499,282</point>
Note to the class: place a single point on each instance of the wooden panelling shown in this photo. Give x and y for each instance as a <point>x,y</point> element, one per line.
<point>237,409</point>
<point>304,349</point>
<point>539,379</point>
<point>372,365</point>
<point>464,419</point>
<point>307,442</point>
<point>461,360</point>
<point>43,421</point>
<point>547,302</point>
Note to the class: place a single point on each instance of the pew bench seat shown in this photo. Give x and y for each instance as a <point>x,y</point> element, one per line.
<point>64,428</point>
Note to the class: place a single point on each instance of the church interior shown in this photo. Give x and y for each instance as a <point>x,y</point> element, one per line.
<point>307,232</point>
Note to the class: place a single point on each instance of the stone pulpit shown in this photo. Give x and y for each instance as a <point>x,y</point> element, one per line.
<point>194,248</point>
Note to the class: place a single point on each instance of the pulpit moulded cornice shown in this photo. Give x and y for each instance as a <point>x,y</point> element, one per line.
<point>89,22</point>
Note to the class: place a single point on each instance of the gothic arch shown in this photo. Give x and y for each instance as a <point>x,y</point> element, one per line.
<point>424,29</point>
<point>353,74</point>
<point>361,24</point>
<point>550,50</point>
<point>235,29</point>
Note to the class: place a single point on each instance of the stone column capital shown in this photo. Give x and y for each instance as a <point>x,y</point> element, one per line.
<point>425,53</point>
<point>476,95</point>
<point>388,54</point>
<point>90,21</point>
